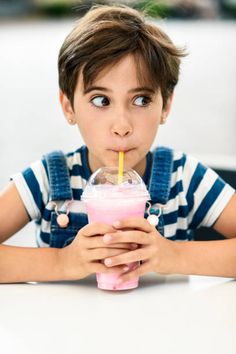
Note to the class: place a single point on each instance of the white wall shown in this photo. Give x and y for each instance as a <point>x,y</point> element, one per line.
<point>31,123</point>
<point>203,119</point>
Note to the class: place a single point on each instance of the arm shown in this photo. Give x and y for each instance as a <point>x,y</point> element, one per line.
<point>13,215</point>
<point>213,258</point>
<point>217,258</point>
<point>23,264</point>
<point>20,264</point>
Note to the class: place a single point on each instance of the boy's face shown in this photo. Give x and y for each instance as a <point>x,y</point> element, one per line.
<point>116,116</point>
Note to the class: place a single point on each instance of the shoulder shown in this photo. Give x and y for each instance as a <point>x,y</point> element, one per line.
<point>193,177</point>
<point>77,163</point>
<point>72,165</point>
<point>35,176</point>
<point>75,157</point>
<point>33,187</point>
<point>207,194</point>
<point>189,169</point>
<point>72,158</point>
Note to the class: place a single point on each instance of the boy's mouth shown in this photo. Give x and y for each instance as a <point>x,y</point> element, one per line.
<point>125,150</point>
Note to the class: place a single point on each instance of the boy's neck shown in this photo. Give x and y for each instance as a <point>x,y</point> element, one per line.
<point>141,167</point>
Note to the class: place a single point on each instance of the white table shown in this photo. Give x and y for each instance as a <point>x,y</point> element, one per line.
<point>166,314</point>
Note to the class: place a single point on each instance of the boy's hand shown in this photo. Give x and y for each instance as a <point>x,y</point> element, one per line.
<point>83,256</point>
<point>157,253</point>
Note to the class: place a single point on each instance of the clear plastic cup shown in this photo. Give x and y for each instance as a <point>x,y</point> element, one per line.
<point>106,201</point>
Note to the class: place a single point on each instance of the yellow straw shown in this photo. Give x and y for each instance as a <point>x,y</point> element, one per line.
<point>121,166</point>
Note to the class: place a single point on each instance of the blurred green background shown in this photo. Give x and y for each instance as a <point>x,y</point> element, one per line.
<point>182,9</point>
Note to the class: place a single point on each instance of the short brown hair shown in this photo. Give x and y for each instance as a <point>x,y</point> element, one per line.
<point>108,33</point>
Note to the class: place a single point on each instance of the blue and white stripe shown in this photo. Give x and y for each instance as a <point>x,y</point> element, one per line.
<point>197,196</point>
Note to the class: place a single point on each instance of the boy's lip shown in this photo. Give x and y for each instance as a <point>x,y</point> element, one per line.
<point>122,149</point>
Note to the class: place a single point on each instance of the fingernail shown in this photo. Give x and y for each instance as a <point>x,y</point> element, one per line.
<point>134,246</point>
<point>107,238</point>
<point>116,223</point>
<point>125,269</point>
<point>108,261</point>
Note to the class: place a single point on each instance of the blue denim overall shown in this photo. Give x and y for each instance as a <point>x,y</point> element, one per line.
<point>60,190</point>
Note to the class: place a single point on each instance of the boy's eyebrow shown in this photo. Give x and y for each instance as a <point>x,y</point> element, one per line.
<point>100,88</point>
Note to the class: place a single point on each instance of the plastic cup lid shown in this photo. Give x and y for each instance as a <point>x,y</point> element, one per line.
<point>104,183</point>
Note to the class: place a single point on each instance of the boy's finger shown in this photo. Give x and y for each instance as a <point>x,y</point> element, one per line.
<point>95,228</point>
<point>134,236</point>
<point>140,270</point>
<point>128,246</point>
<point>102,253</point>
<point>101,268</point>
<point>133,223</point>
<point>126,257</point>
<point>97,242</point>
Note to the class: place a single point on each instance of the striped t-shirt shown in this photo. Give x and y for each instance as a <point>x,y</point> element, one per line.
<point>197,195</point>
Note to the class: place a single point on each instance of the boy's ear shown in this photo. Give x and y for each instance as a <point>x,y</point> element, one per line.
<point>67,108</point>
<point>166,108</point>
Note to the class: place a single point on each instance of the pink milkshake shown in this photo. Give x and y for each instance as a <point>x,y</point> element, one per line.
<point>106,201</point>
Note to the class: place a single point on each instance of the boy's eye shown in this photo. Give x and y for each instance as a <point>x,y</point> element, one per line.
<point>142,100</point>
<point>100,101</point>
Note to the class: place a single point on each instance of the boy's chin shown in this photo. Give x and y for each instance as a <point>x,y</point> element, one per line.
<point>112,160</point>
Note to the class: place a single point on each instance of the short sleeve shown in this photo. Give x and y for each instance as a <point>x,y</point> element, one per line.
<point>33,187</point>
<point>206,193</point>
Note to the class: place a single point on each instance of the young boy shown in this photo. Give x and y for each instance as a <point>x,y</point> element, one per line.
<point>117,75</point>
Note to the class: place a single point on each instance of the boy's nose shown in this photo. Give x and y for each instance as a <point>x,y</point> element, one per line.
<point>122,127</point>
<point>122,132</point>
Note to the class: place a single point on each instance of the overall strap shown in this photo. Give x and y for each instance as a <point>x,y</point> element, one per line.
<point>59,178</point>
<point>160,179</point>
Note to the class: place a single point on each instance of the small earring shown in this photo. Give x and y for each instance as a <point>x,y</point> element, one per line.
<point>70,121</point>
<point>163,121</point>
